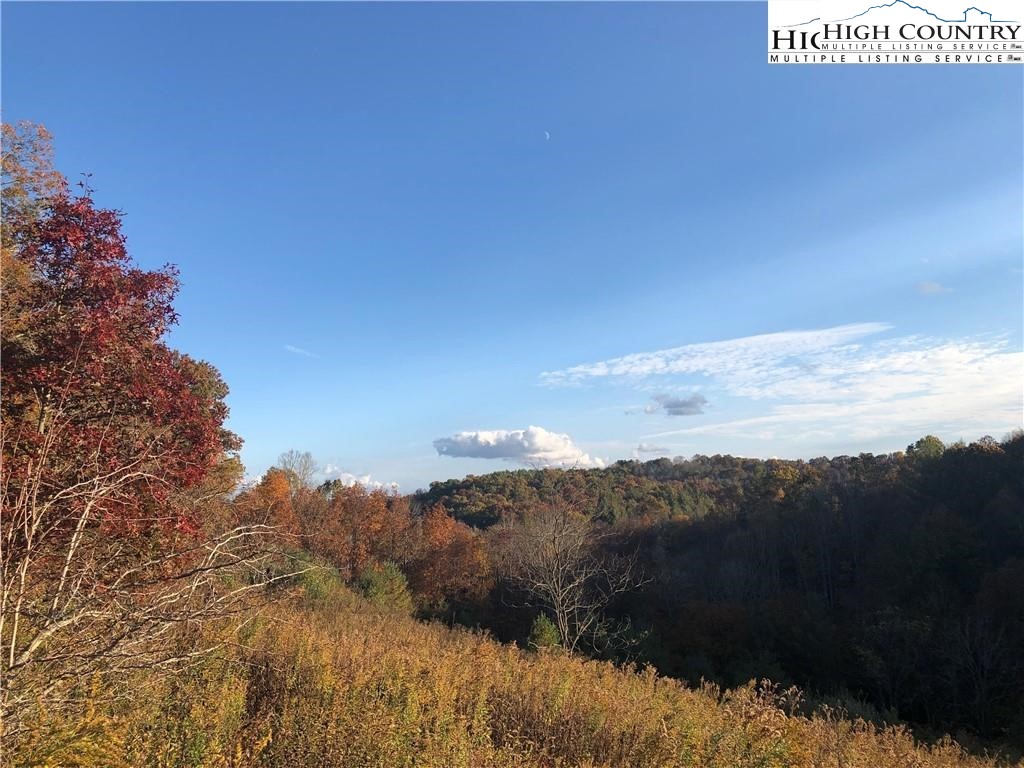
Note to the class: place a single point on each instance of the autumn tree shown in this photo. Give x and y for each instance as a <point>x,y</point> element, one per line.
<point>358,528</point>
<point>451,560</point>
<point>311,512</point>
<point>269,503</point>
<point>28,174</point>
<point>108,440</point>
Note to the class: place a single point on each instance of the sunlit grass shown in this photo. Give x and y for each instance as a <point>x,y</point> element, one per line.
<point>326,680</point>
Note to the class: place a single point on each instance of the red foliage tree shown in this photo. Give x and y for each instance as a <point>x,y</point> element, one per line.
<point>90,389</point>
<point>107,438</point>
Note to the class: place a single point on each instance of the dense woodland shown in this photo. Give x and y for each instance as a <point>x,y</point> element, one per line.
<point>895,581</point>
<point>155,613</point>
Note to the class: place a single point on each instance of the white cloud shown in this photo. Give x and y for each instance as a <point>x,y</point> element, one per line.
<point>834,387</point>
<point>334,472</point>
<point>898,388</point>
<point>533,446</point>
<point>300,351</point>
<point>738,359</point>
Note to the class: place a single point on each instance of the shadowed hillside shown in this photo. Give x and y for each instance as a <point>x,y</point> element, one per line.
<point>895,581</point>
<point>326,679</point>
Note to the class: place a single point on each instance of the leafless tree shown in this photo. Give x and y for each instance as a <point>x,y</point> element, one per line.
<point>78,598</point>
<point>554,554</point>
<point>300,466</point>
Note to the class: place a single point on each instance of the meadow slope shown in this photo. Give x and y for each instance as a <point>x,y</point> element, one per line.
<point>321,678</point>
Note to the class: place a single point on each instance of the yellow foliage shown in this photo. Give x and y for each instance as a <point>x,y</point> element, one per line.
<point>349,687</point>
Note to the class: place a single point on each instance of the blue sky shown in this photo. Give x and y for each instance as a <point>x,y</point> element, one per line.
<point>409,233</point>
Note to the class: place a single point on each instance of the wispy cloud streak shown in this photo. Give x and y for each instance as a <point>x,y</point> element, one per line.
<point>913,385</point>
<point>739,360</point>
<point>836,385</point>
<point>300,351</point>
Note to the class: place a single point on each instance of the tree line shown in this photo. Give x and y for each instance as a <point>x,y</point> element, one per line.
<point>889,585</point>
<point>893,584</point>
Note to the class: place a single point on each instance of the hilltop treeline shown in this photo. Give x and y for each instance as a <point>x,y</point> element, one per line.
<point>894,583</point>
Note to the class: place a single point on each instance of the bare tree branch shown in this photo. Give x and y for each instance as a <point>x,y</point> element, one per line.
<point>554,555</point>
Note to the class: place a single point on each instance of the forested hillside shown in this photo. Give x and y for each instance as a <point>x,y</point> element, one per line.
<point>895,580</point>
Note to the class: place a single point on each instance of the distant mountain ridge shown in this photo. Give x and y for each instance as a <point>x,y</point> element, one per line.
<point>910,6</point>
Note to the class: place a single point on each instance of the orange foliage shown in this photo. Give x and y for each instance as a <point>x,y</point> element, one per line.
<point>451,560</point>
<point>311,510</point>
<point>361,527</point>
<point>269,503</point>
<point>356,528</point>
